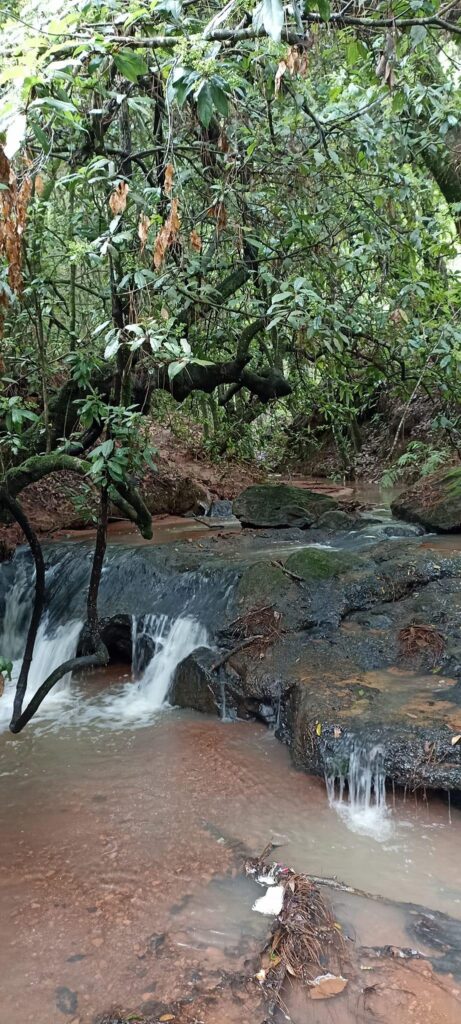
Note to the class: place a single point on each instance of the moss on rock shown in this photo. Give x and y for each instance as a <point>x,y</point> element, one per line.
<point>262,583</point>
<point>278,505</point>
<point>320,564</point>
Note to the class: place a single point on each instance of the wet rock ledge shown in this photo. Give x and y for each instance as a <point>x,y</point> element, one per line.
<point>340,647</point>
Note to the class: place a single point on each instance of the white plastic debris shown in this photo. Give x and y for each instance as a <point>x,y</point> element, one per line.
<point>268,877</point>
<point>272,902</point>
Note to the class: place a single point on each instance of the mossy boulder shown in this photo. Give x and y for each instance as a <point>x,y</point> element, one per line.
<point>262,583</point>
<point>279,505</point>
<point>336,519</point>
<point>435,502</point>
<point>321,564</point>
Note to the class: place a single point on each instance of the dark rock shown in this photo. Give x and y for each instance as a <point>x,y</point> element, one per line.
<point>66,1000</point>
<point>6,549</point>
<point>276,505</point>
<point>336,519</point>
<point>176,496</point>
<point>435,502</point>
<point>221,509</point>
<point>116,635</point>
<point>195,685</point>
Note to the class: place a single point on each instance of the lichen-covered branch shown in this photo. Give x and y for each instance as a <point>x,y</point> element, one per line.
<point>39,466</point>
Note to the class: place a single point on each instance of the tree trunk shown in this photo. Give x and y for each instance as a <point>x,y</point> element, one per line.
<point>19,515</point>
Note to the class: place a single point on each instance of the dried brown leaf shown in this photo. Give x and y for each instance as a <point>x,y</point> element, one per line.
<point>13,215</point>
<point>168,182</point>
<point>167,234</point>
<point>219,213</point>
<point>143,229</point>
<point>296,61</point>
<point>195,241</point>
<point>118,198</point>
<point>5,169</point>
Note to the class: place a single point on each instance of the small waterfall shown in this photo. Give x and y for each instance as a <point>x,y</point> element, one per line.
<point>357,791</point>
<point>174,641</point>
<point>169,641</point>
<point>51,650</point>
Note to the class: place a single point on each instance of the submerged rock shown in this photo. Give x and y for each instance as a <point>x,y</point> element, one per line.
<point>277,505</point>
<point>435,502</point>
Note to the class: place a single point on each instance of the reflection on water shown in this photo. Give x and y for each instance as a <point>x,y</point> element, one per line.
<point>111,841</point>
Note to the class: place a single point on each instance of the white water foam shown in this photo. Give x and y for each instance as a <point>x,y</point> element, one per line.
<point>134,702</point>
<point>50,651</point>
<point>364,810</point>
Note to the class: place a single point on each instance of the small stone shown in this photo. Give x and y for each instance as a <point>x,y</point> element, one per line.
<point>66,1000</point>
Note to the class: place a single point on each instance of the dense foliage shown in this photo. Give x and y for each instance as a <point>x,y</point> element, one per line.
<point>249,211</point>
<point>231,205</point>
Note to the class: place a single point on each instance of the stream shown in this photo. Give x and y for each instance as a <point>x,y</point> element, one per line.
<point>123,821</point>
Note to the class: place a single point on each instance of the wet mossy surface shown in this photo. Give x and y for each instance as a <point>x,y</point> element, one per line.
<point>279,505</point>
<point>319,564</point>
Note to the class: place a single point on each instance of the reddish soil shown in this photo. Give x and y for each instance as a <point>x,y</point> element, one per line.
<point>185,477</point>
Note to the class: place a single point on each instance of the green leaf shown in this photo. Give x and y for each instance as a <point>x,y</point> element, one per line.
<point>41,137</point>
<point>205,105</point>
<point>219,99</point>
<point>54,104</point>
<point>324,7</point>
<point>418,34</point>
<point>131,65</point>
<point>176,367</point>
<point>273,18</point>
<point>112,348</point>
<point>354,52</point>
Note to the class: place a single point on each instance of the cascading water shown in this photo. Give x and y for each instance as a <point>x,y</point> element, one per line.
<point>173,640</point>
<point>50,651</point>
<point>357,791</point>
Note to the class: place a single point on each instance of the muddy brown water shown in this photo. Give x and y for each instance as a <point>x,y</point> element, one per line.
<point>118,864</point>
<point>120,854</point>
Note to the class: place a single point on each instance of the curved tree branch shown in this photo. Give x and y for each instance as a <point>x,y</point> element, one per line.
<point>19,515</point>
<point>38,466</point>
<point>86,661</point>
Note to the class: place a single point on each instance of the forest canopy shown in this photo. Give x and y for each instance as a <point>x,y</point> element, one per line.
<point>244,207</point>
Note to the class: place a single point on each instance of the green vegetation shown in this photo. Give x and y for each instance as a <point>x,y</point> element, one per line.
<point>315,564</point>
<point>251,212</point>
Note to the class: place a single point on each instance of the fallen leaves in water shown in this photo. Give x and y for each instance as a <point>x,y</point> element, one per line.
<point>417,639</point>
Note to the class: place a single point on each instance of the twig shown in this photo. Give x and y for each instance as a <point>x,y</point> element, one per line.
<point>292,575</point>
<point>244,643</point>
